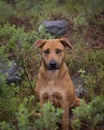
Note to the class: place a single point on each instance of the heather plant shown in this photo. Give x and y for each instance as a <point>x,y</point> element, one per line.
<point>48,118</point>
<point>88,64</point>
<point>80,23</point>
<point>8,101</point>
<point>93,74</point>
<point>23,118</point>
<point>8,93</point>
<point>6,11</point>
<point>89,116</point>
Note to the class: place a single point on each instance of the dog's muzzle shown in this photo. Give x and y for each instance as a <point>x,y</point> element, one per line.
<point>53,65</point>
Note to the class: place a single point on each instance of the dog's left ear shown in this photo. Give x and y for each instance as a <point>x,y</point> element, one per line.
<point>39,43</point>
<point>66,43</point>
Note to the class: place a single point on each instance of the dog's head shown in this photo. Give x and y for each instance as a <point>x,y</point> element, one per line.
<point>53,51</point>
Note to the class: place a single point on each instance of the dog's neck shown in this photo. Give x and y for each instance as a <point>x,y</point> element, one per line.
<point>53,74</point>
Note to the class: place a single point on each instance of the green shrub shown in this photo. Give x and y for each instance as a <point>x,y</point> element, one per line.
<point>47,120</point>
<point>23,118</point>
<point>89,65</point>
<point>8,101</point>
<point>80,23</point>
<point>49,117</point>
<point>89,116</point>
<point>6,11</point>
<point>16,38</point>
<point>5,126</point>
<point>93,74</point>
<point>16,43</point>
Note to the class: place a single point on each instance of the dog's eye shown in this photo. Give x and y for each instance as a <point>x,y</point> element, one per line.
<point>46,51</point>
<point>58,51</point>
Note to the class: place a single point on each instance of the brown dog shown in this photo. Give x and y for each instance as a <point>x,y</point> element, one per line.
<point>54,83</point>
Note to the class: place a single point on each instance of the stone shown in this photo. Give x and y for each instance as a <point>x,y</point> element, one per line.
<point>12,73</point>
<point>80,90</point>
<point>56,27</point>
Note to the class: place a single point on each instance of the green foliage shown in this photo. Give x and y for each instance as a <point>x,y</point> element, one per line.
<point>24,6</point>
<point>89,115</point>
<point>49,117</point>
<point>80,23</point>
<point>19,43</point>
<point>3,55</point>
<point>93,73</point>
<point>40,10</point>
<point>5,126</point>
<point>8,100</point>
<point>88,64</point>
<point>5,11</point>
<point>22,117</point>
<point>17,37</point>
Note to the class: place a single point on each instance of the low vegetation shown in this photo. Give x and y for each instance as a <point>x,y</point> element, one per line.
<point>19,22</point>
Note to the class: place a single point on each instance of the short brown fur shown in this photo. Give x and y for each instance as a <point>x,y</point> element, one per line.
<point>54,84</point>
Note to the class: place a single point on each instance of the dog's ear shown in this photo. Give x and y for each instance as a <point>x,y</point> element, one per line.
<point>39,43</point>
<point>66,43</point>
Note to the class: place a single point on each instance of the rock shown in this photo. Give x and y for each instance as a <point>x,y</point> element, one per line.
<point>56,28</point>
<point>61,1</point>
<point>78,83</point>
<point>11,73</point>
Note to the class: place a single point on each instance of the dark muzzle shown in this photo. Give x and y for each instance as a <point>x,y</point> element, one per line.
<point>53,65</point>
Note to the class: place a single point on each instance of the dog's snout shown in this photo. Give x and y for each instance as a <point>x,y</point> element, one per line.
<point>53,63</point>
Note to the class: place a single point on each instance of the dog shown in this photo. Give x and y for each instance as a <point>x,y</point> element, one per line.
<point>54,83</point>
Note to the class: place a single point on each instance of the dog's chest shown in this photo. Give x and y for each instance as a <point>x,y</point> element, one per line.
<point>52,92</point>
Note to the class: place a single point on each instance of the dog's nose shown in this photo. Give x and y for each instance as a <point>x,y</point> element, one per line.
<point>53,63</point>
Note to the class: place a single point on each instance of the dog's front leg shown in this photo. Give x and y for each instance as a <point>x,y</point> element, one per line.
<point>65,116</point>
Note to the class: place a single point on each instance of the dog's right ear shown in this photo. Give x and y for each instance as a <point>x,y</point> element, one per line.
<point>39,43</point>
<point>66,43</point>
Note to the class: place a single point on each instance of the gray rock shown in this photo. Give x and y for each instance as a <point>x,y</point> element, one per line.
<point>56,28</point>
<point>12,73</point>
<point>80,90</point>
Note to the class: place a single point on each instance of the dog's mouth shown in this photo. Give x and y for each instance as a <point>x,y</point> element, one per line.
<point>52,68</point>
